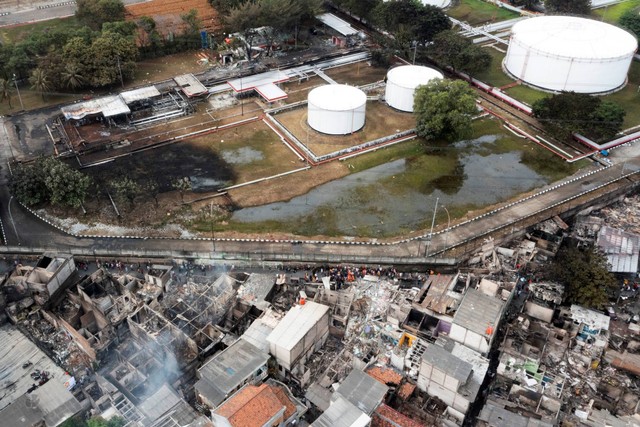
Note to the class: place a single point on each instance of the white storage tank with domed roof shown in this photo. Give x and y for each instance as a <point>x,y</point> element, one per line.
<point>567,53</point>
<point>402,83</point>
<point>336,109</point>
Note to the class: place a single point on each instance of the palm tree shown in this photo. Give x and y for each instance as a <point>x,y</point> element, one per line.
<point>5,90</point>
<point>39,81</point>
<point>72,76</point>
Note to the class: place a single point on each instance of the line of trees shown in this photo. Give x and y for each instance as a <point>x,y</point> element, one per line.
<point>101,52</point>
<point>568,112</point>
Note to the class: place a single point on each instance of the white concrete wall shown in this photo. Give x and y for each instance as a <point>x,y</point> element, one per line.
<point>469,338</point>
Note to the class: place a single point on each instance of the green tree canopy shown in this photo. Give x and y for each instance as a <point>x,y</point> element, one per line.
<point>49,180</point>
<point>568,112</point>
<point>363,9</point>
<point>6,89</point>
<point>125,189</point>
<point>410,19</point>
<point>585,274</point>
<point>94,13</point>
<point>66,186</point>
<point>568,7</point>
<point>27,184</point>
<point>631,21</point>
<point>449,48</point>
<point>443,109</point>
<point>40,81</point>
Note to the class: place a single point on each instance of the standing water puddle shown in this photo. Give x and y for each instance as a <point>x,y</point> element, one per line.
<point>479,179</point>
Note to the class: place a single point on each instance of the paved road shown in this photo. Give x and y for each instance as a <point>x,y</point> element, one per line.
<point>24,11</point>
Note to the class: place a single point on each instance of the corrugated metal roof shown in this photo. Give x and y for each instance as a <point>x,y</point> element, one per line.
<point>342,413</point>
<point>296,323</point>
<point>500,417</point>
<point>621,248</point>
<point>139,94</point>
<point>108,106</point>
<point>18,349</point>
<point>341,26</point>
<point>363,391</point>
<point>159,403</point>
<point>443,360</point>
<point>228,369</point>
<point>477,311</point>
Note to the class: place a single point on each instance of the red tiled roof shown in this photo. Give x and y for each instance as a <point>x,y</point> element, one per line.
<point>386,416</point>
<point>406,390</point>
<point>255,405</point>
<point>385,375</point>
<point>251,406</point>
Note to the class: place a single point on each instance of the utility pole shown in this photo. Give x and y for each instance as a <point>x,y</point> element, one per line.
<point>433,222</point>
<point>18,90</point>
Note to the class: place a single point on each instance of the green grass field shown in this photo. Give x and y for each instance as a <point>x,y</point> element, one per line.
<point>494,74</point>
<point>629,97</point>
<point>526,94</point>
<point>476,12</point>
<point>613,13</point>
<point>19,32</point>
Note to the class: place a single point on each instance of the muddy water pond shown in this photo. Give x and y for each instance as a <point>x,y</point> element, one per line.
<point>400,195</point>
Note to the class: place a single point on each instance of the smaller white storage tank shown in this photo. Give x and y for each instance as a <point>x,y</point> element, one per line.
<point>336,109</point>
<point>402,83</point>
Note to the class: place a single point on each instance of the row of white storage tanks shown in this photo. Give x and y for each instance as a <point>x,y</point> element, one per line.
<point>554,53</point>
<point>341,109</point>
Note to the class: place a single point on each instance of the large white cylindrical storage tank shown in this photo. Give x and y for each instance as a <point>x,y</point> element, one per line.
<point>566,53</point>
<point>402,83</point>
<point>336,109</point>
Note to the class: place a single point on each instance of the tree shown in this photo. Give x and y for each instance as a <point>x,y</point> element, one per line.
<point>101,422</point>
<point>449,48</point>
<point>40,81</point>
<point>71,76</point>
<point>568,7</point>
<point>153,189</point>
<point>631,21</point>
<point>111,54</point>
<point>27,184</point>
<point>363,9</point>
<point>125,189</point>
<point>5,90</point>
<point>568,112</point>
<point>94,13</point>
<point>585,274</point>
<point>192,21</point>
<point>417,22</point>
<point>443,109</point>
<point>243,19</point>
<point>66,186</point>
<point>182,185</point>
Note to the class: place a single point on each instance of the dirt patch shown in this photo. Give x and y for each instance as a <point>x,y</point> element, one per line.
<point>287,187</point>
<point>298,91</point>
<point>381,120</point>
<point>357,74</point>
<point>97,140</point>
<point>167,14</point>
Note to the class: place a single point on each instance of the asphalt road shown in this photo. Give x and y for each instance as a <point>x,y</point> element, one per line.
<point>24,11</point>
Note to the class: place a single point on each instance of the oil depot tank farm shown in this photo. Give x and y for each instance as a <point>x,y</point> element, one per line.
<point>402,83</point>
<point>336,109</point>
<point>566,53</point>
